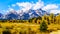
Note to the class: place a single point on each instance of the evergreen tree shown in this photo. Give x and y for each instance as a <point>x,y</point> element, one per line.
<point>43,26</point>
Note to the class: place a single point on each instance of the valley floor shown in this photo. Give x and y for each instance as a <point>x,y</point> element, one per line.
<point>27,28</point>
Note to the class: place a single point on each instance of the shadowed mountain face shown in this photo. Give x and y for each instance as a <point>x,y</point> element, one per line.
<point>25,16</point>
<point>38,12</point>
<point>33,13</point>
<point>11,16</point>
<point>1,14</point>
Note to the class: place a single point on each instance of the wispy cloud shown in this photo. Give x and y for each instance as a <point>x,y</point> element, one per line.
<point>50,7</point>
<point>38,5</point>
<point>55,11</point>
<point>25,6</point>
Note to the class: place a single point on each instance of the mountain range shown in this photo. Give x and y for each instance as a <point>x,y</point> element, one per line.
<point>13,15</point>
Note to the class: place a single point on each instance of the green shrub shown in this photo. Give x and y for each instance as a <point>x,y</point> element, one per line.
<point>43,26</point>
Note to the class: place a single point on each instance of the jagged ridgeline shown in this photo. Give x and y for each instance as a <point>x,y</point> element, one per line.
<point>32,16</point>
<point>13,15</point>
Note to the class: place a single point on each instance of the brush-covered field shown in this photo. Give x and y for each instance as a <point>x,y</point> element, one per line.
<point>25,28</point>
<point>19,28</point>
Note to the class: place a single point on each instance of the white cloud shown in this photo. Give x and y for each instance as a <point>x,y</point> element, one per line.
<point>55,11</point>
<point>38,5</point>
<point>28,5</point>
<point>20,12</point>
<point>50,7</point>
<point>25,5</point>
<point>11,9</point>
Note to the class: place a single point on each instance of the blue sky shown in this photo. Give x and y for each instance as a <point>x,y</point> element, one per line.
<point>5,4</point>
<point>51,1</point>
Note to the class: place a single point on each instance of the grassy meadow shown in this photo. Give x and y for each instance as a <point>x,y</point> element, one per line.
<point>40,25</point>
